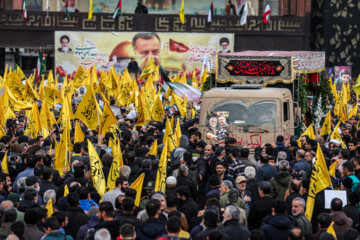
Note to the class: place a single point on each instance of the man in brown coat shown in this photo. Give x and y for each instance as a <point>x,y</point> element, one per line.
<point>341,221</point>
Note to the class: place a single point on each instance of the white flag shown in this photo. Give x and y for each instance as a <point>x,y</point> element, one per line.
<point>206,64</point>
<point>47,8</point>
<point>244,14</point>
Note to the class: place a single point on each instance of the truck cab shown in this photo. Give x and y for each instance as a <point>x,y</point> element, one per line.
<point>255,116</point>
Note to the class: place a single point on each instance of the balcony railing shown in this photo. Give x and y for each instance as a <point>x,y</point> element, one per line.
<point>53,21</point>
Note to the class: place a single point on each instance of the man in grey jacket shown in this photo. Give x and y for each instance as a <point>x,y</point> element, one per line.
<point>298,211</point>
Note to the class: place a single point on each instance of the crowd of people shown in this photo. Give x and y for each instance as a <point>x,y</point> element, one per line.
<point>212,191</point>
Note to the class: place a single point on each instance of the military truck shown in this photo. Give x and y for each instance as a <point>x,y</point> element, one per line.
<point>254,110</point>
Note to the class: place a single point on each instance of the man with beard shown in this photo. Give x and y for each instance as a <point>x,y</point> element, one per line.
<point>186,204</point>
<point>32,182</point>
<point>105,213</point>
<point>221,172</point>
<point>159,196</point>
<point>121,184</point>
<point>298,211</point>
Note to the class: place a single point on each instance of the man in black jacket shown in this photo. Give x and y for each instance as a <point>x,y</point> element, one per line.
<point>46,182</point>
<point>76,215</point>
<point>209,222</point>
<point>186,204</point>
<point>152,228</point>
<point>105,213</point>
<point>261,207</point>
<point>232,226</point>
<point>141,8</point>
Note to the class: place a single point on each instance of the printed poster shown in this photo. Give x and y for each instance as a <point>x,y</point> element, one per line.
<point>217,125</point>
<point>175,52</point>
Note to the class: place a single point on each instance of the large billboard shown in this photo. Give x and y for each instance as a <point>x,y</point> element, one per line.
<point>174,51</point>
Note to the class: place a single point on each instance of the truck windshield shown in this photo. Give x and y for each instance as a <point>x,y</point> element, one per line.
<point>247,113</point>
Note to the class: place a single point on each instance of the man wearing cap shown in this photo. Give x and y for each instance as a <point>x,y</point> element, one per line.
<point>15,199</point>
<point>170,185</point>
<point>121,184</point>
<point>150,186</point>
<point>244,194</point>
<point>225,187</point>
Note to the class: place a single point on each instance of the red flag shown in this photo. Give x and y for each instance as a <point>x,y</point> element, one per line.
<point>267,13</point>
<point>178,47</point>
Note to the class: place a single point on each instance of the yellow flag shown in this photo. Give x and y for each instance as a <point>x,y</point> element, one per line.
<point>115,166</point>
<point>137,185</point>
<point>356,86</point>
<point>79,135</point>
<point>50,81</point>
<point>8,113</point>
<point>107,119</point>
<point>158,111</point>
<point>178,132</point>
<point>332,168</point>
<point>182,13</point>
<point>169,137</point>
<point>354,110</point>
<point>49,207</point>
<point>4,164</point>
<point>2,132</point>
<point>50,94</point>
<point>336,135</point>
<point>343,114</point>
<point>153,149</point>
<point>160,182</point>
<point>331,230</point>
<point>98,176</point>
<point>61,153</point>
<point>180,102</point>
<point>326,127</point>
<point>9,97</point>
<point>308,132</point>
<point>2,119</point>
<point>46,118</point>
<point>66,190</point>
<point>114,130</point>
<point>66,114</point>
<point>88,110</point>
<point>82,78</point>
<point>34,123</point>
<point>91,10</point>
<point>320,179</point>
<point>348,91</point>
<point>30,93</point>
<point>149,68</point>
<point>42,89</point>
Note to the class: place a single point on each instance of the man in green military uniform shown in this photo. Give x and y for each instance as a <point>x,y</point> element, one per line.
<point>150,186</point>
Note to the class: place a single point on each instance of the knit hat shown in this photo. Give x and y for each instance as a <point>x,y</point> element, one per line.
<point>31,181</point>
<point>171,180</point>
